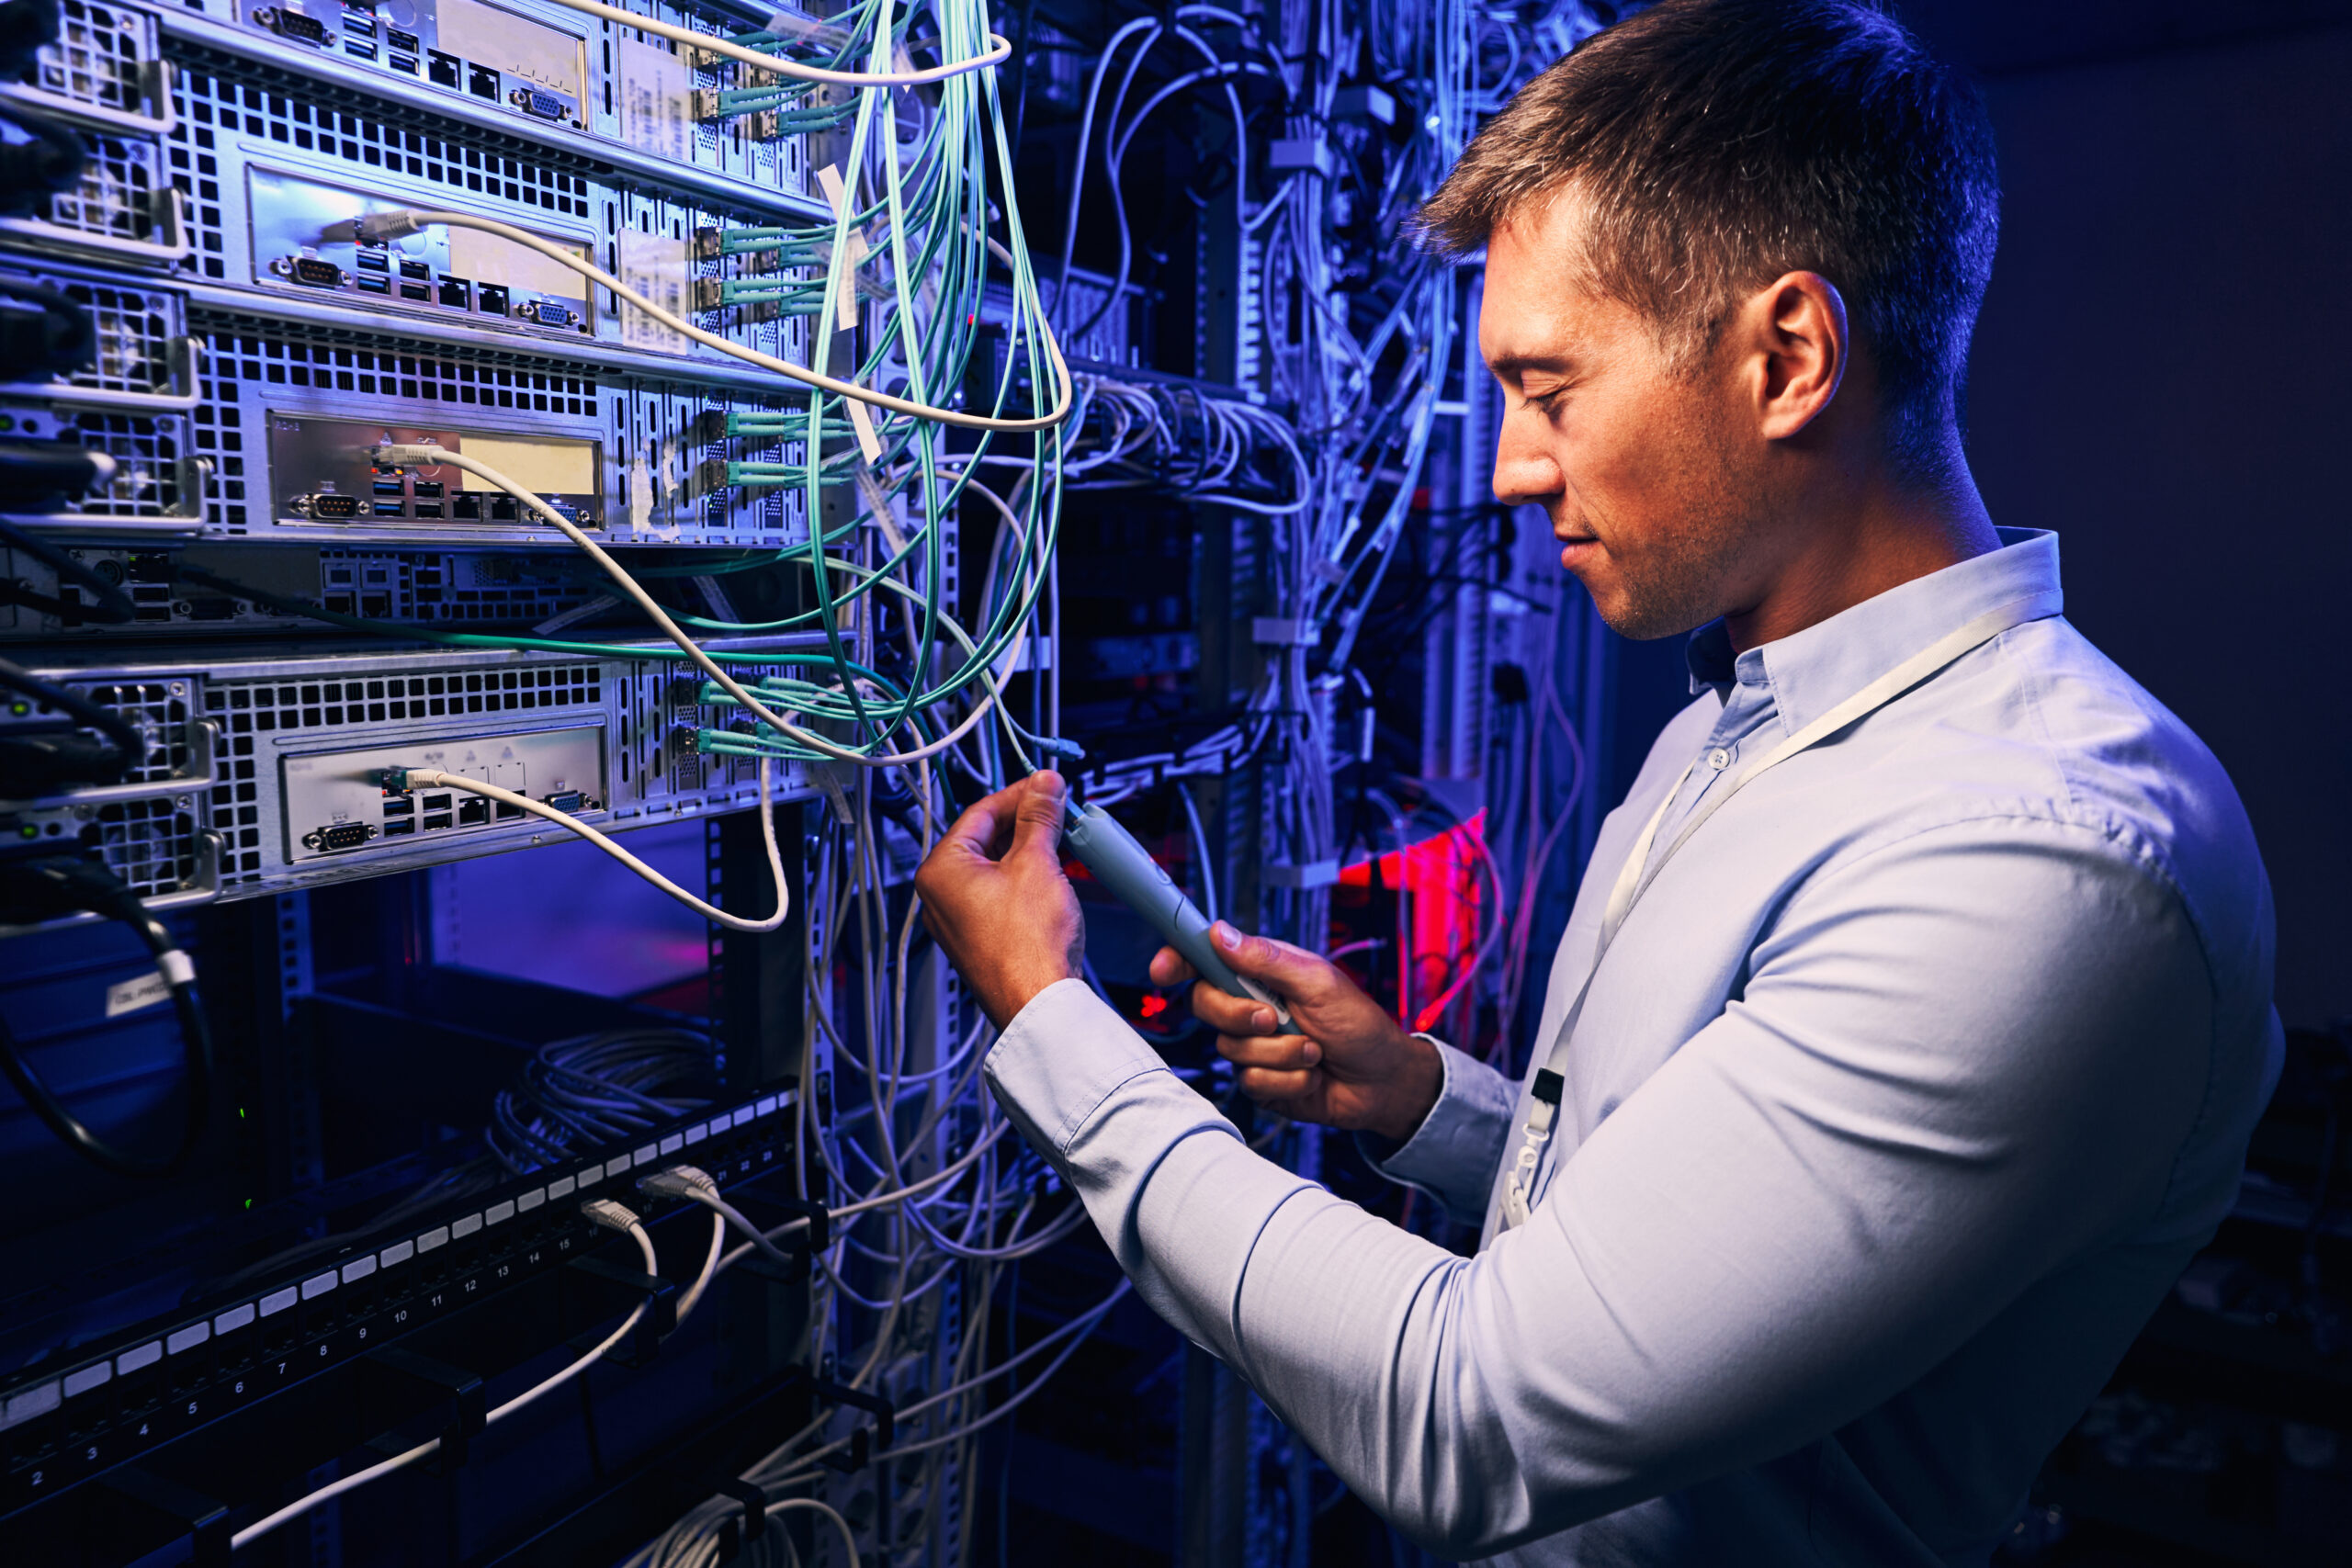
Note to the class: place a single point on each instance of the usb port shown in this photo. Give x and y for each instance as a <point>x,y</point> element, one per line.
<point>428,490</point>
<point>404,64</point>
<point>415,269</point>
<point>404,42</point>
<point>474,812</point>
<point>400,806</point>
<point>398,828</point>
<point>358,51</point>
<point>437,803</point>
<point>389,487</point>
<point>390,509</point>
<point>371,284</point>
<point>416,291</point>
<point>358,27</point>
<point>439,819</point>
<point>429,509</point>
<point>369,261</point>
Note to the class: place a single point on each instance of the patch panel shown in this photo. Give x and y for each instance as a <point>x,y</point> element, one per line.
<point>137,1389</point>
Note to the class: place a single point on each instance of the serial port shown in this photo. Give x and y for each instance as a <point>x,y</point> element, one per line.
<point>340,835</point>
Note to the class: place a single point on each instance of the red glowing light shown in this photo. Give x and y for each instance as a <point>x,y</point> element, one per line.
<point>1154,1006</point>
<point>1441,883</point>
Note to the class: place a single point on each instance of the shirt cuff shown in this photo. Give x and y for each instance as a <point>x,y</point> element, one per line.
<point>1452,1154</point>
<point>1060,1058</point>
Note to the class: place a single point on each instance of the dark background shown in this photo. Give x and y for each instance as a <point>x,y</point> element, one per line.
<point>2160,376</point>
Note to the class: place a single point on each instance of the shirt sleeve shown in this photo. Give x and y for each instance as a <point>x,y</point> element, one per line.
<point>1960,1061</point>
<point>1452,1156</point>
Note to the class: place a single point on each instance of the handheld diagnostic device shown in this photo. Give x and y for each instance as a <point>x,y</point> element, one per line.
<point>1122,866</point>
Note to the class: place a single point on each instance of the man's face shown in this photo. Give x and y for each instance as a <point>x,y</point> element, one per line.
<point>1646,469</point>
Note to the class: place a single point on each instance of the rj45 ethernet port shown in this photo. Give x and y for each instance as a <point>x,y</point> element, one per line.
<point>473,811</point>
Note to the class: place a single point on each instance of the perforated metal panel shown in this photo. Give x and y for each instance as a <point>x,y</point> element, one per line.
<point>116,198</point>
<point>103,57</point>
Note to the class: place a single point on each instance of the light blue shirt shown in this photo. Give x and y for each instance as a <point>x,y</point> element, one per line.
<point>1905,1091</point>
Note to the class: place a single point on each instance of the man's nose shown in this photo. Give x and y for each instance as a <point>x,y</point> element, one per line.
<point>1525,472</point>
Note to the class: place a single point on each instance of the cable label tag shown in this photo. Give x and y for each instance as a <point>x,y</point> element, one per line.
<point>867,442</point>
<point>132,995</point>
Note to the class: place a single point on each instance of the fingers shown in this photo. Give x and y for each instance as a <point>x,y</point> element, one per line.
<point>1169,968</point>
<point>973,834</point>
<point>1279,1052</point>
<point>1273,1070</point>
<point>1038,806</point>
<point>1291,971</point>
<point>1231,1015</point>
<point>1011,817</point>
<point>1278,1089</point>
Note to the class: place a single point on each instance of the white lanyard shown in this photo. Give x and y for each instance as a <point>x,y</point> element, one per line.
<point>1640,870</point>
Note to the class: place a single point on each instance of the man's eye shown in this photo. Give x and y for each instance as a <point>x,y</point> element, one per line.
<point>1548,403</point>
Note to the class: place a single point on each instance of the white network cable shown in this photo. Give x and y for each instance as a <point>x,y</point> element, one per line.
<point>432,778</point>
<point>394,225</point>
<point>999,52</point>
<point>396,455</point>
<point>604,1212</point>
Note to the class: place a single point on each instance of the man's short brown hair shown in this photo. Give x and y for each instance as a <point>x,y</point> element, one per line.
<point>1721,143</point>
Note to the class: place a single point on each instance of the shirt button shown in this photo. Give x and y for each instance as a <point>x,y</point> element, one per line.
<point>1719,758</point>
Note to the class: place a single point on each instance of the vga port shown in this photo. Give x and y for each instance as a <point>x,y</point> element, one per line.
<point>286,22</point>
<point>341,836</point>
<point>546,313</point>
<point>316,273</point>
<point>327,506</point>
<point>538,105</point>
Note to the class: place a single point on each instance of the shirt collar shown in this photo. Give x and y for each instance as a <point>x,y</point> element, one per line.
<point>1811,670</point>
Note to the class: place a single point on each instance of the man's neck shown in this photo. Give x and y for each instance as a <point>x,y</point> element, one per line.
<point>1887,535</point>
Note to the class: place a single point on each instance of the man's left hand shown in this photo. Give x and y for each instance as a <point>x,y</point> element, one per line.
<point>995,898</point>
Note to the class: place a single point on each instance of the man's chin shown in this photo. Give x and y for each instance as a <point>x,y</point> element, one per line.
<point>1633,617</point>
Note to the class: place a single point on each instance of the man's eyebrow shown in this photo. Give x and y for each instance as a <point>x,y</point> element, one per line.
<point>1514,364</point>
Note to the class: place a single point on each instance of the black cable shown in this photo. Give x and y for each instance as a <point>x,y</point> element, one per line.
<point>53,163</point>
<point>53,886</point>
<point>81,345</point>
<point>113,605</point>
<point>107,721</point>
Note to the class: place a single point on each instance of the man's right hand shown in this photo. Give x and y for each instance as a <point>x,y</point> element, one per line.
<point>1354,1067</point>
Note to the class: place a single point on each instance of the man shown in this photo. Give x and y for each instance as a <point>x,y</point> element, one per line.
<point>1908,1030</point>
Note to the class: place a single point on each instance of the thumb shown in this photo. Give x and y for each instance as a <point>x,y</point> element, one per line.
<point>970,834</point>
<point>1291,971</point>
<point>1037,818</point>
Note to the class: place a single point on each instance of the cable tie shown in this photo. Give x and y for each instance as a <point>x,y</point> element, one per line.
<point>177,967</point>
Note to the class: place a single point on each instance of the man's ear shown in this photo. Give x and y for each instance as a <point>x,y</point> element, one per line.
<point>1797,341</point>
